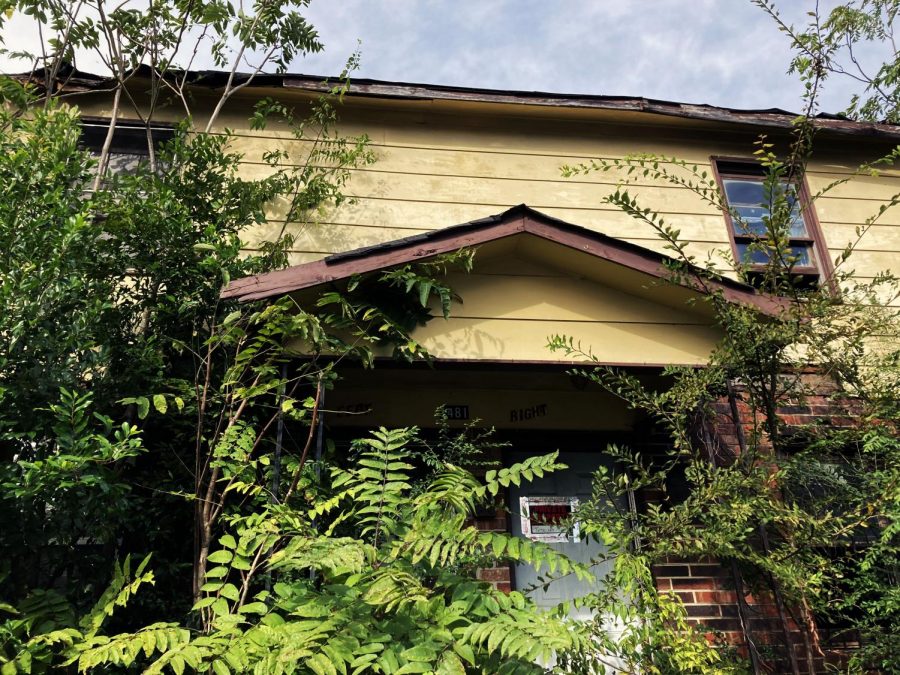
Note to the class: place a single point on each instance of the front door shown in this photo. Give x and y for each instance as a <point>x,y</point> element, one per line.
<point>547,498</point>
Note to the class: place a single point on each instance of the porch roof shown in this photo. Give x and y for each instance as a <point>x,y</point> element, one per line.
<point>518,220</point>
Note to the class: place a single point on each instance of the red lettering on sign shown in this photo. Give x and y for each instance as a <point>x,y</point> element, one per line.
<point>549,514</point>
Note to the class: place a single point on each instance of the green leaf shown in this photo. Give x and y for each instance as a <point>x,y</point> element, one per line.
<point>321,665</point>
<point>254,608</point>
<point>203,602</point>
<point>424,291</point>
<point>159,402</point>
<point>221,556</point>
<point>176,663</point>
<point>419,653</point>
<point>230,591</point>
<point>465,651</point>
<point>143,406</point>
<point>451,665</point>
<point>232,317</point>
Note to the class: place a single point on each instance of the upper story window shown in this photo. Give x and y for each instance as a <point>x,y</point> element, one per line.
<point>751,200</point>
<point>129,145</point>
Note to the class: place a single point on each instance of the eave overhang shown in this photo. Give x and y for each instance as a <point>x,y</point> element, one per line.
<point>518,220</point>
<point>72,80</point>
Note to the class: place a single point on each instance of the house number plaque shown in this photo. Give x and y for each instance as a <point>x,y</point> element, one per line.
<point>456,412</point>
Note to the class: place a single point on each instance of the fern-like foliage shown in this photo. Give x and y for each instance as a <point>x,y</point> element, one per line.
<point>380,482</point>
<point>40,634</point>
<point>376,576</point>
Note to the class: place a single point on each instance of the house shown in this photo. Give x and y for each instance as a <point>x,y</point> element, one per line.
<point>468,168</point>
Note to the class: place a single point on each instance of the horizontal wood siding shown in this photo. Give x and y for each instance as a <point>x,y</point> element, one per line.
<point>440,164</point>
<point>435,170</point>
<point>511,306</point>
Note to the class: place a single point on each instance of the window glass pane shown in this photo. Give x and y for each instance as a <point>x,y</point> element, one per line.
<point>121,162</point>
<point>749,201</point>
<point>756,256</point>
<point>800,255</point>
<point>798,226</point>
<point>746,192</point>
<point>749,220</point>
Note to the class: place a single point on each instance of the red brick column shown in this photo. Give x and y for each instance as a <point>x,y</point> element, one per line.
<point>500,577</point>
<point>707,591</point>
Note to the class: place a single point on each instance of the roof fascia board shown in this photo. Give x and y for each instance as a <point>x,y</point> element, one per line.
<point>344,266</point>
<point>517,220</point>
<point>361,88</point>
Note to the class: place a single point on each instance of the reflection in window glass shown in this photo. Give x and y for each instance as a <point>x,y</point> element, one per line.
<point>749,192</point>
<point>751,207</point>
<point>124,162</point>
<point>759,254</point>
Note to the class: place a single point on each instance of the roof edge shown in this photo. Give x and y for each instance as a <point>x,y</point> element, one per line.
<point>76,80</point>
<point>519,219</point>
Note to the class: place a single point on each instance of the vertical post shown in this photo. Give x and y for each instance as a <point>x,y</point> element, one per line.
<point>318,454</point>
<point>320,434</point>
<point>279,437</point>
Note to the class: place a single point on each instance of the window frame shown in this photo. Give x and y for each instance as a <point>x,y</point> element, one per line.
<point>129,136</point>
<point>815,240</point>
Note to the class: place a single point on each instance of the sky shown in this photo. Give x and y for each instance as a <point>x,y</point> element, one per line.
<point>721,52</point>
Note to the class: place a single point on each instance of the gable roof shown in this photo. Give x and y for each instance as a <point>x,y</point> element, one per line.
<point>518,220</point>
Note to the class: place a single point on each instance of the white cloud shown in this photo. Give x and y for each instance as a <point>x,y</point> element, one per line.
<point>723,52</point>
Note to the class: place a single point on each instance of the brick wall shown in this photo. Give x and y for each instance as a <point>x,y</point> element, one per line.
<point>499,577</point>
<point>715,594</point>
<point>716,599</point>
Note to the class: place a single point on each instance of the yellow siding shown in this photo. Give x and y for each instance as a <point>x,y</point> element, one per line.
<point>434,170</point>
<point>440,164</point>
<point>522,340</point>
<point>511,306</point>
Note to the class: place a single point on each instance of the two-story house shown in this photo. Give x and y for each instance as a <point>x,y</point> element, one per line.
<point>470,168</point>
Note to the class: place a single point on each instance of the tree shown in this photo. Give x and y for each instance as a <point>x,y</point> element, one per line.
<point>111,282</point>
<point>841,44</point>
<point>803,515</point>
<point>162,406</point>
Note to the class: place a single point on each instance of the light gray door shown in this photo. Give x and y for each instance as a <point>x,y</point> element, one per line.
<point>572,482</point>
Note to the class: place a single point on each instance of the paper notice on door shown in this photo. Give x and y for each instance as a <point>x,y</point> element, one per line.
<point>549,519</point>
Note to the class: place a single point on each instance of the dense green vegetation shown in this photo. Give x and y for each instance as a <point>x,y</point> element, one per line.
<point>155,518</point>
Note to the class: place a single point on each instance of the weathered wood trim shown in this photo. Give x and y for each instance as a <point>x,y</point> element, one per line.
<point>517,220</point>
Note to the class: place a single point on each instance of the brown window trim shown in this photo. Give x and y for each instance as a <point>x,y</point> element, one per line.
<point>825,270</point>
